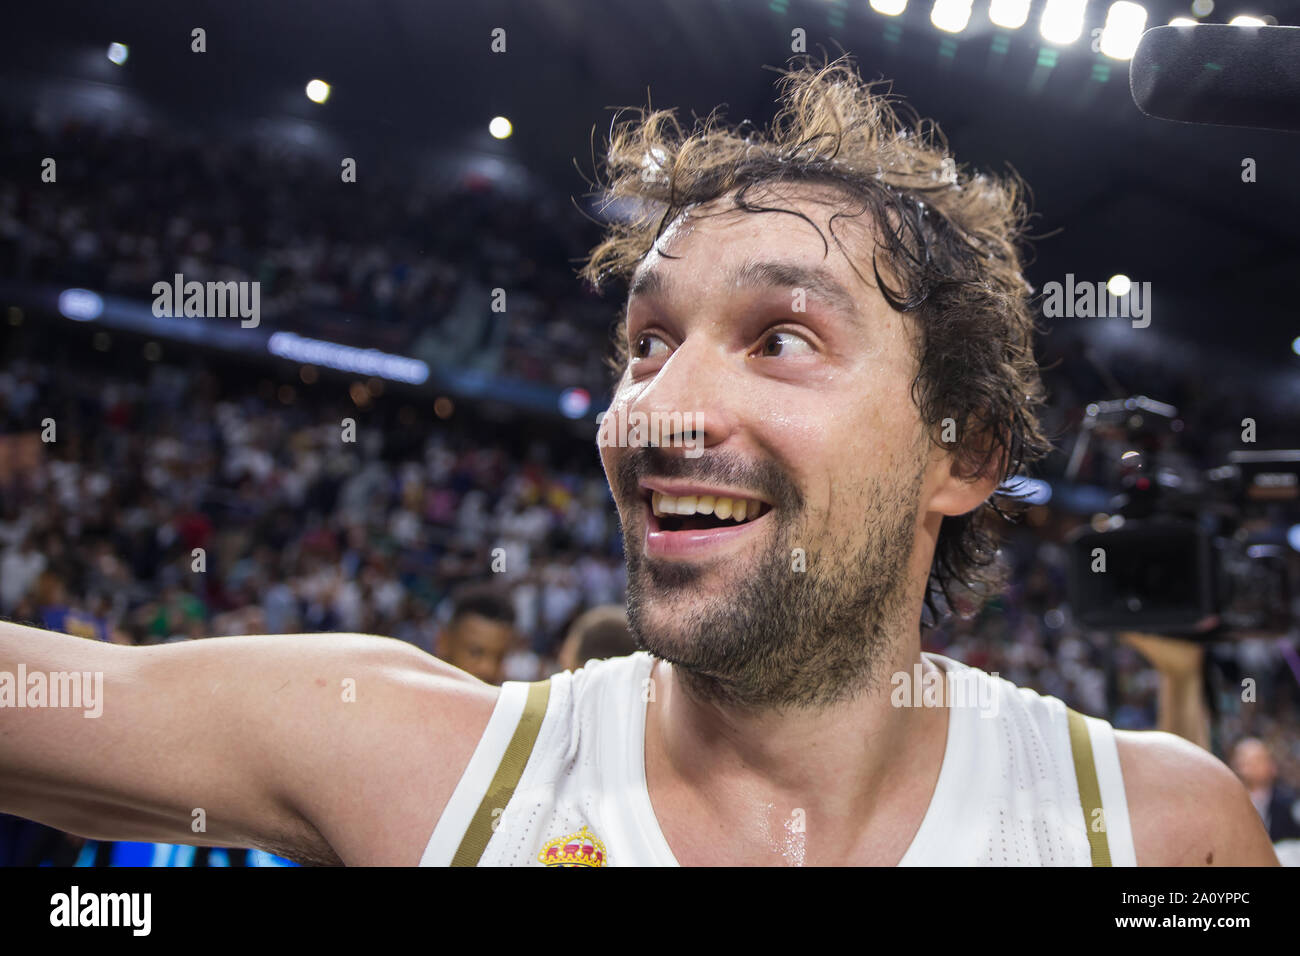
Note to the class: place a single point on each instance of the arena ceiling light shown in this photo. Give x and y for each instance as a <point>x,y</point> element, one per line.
<point>1011,14</point>
<point>574,402</point>
<point>346,358</point>
<point>1062,21</point>
<point>951,16</point>
<point>500,127</point>
<point>318,91</point>
<point>890,8</point>
<point>1119,285</point>
<point>1246,21</point>
<point>118,52</point>
<point>1124,24</point>
<point>81,305</point>
<point>1182,22</point>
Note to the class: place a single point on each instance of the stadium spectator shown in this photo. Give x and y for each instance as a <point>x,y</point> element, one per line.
<point>1277,805</point>
<point>597,634</point>
<point>480,632</point>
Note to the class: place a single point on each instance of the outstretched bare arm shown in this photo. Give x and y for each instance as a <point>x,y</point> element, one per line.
<point>324,748</point>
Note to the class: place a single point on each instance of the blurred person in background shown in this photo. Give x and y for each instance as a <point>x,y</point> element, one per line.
<point>1277,805</point>
<point>480,632</point>
<point>597,634</point>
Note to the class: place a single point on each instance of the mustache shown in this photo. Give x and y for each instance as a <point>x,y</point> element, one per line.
<point>764,478</point>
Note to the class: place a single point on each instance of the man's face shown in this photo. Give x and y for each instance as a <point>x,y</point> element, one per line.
<point>1254,764</point>
<point>801,376</point>
<point>477,645</point>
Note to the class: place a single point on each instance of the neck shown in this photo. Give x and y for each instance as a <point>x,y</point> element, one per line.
<point>841,761</point>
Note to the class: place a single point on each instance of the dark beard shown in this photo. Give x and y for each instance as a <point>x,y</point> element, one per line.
<point>785,639</point>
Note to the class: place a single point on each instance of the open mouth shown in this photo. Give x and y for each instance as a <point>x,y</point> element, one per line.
<point>695,523</point>
<point>701,512</point>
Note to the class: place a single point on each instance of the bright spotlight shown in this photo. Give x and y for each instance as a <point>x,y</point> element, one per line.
<point>500,127</point>
<point>1245,21</point>
<point>118,52</point>
<point>1119,285</point>
<point>1011,14</point>
<point>890,8</point>
<point>81,304</point>
<point>318,91</point>
<point>1062,21</point>
<point>574,402</point>
<point>1182,22</point>
<point>951,16</point>
<point>1124,23</point>
<point>1295,345</point>
<point>1293,536</point>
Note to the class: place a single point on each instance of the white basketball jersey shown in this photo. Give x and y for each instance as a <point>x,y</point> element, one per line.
<point>558,779</point>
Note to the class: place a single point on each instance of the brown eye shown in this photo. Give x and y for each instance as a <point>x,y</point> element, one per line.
<point>785,344</point>
<point>644,347</point>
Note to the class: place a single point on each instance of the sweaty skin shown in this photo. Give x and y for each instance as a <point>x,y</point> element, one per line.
<point>824,397</point>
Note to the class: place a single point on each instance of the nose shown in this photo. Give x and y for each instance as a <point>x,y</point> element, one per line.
<point>693,401</point>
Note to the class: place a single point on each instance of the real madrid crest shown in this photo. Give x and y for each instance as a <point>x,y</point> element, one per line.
<point>576,849</point>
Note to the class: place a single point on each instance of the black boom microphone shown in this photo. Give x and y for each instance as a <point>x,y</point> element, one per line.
<point>1219,74</point>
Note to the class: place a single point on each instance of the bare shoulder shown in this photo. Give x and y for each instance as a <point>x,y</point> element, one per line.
<point>1186,807</point>
<point>404,727</point>
<point>362,738</point>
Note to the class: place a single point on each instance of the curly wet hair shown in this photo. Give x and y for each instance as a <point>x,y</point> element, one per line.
<point>948,240</point>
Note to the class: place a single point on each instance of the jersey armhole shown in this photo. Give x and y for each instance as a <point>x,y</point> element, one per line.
<point>466,825</point>
<point>1110,781</point>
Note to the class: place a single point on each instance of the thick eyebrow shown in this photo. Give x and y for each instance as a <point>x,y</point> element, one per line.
<point>818,282</point>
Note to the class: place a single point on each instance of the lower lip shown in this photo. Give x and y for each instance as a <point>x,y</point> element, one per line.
<point>692,544</point>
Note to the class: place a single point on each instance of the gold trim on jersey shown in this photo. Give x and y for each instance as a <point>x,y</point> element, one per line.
<point>1085,772</point>
<point>509,772</point>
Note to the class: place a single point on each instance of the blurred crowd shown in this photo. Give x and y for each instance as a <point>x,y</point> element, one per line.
<point>407,266</point>
<point>164,511</point>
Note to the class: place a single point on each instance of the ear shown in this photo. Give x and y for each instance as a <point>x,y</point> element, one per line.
<point>954,490</point>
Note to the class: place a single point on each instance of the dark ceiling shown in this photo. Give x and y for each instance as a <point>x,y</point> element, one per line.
<point>1116,191</point>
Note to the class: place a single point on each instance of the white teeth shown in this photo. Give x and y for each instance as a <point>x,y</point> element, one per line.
<point>705,505</point>
<point>722,508</point>
<point>686,505</point>
<point>656,504</point>
<point>739,509</point>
